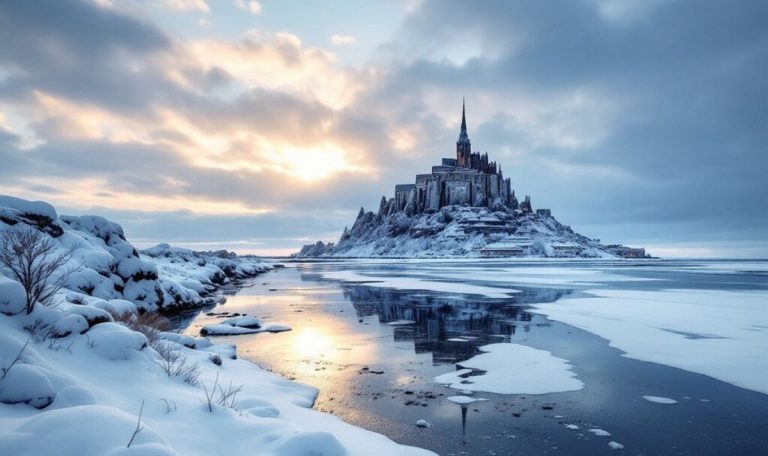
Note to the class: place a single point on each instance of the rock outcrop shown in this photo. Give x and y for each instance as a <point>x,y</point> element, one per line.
<point>463,231</point>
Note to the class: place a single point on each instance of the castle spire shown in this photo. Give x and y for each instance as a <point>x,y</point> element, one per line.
<point>463,137</point>
<point>463,146</point>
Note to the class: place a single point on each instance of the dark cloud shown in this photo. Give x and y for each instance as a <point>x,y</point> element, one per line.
<point>685,80</point>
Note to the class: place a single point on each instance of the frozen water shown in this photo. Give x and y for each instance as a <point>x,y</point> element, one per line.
<point>711,332</point>
<point>410,283</point>
<point>513,369</point>
<point>660,400</point>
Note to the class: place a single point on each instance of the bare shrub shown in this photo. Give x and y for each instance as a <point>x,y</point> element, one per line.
<point>170,406</point>
<point>175,364</point>
<point>228,397</point>
<point>220,396</point>
<point>209,395</point>
<point>151,324</point>
<point>34,260</point>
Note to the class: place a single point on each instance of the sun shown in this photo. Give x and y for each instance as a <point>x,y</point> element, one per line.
<point>314,164</point>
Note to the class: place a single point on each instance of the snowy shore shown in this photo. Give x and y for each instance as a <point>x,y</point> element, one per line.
<point>90,373</point>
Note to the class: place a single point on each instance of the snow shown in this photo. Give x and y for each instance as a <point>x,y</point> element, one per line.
<point>73,396</point>
<point>401,322</point>
<point>615,445</point>
<point>70,324</point>
<point>243,322</point>
<point>572,427</point>
<point>99,382</point>
<point>423,424</point>
<point>115,341</point>
<point>717,333</point>
<point>231,330</point>
<point>411,283</point>
<point>660,400</point>
<point>458,231</point>
<point>465,400</point>
<point>28,384</point>
<point>25,207</point>
<point>513,369</point>
<point>80,394</point>
<point>12,296</point>
<point>600,432</point>
<point>112,269</point>
<point>65,430</point>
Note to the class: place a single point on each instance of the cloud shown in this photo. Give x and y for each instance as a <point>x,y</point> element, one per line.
<point>343,40</point>
<point>636,122</point>
<point>186,5</point>
<point>253,6</point>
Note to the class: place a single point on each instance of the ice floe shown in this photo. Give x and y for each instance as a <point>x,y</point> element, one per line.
<point>722,334</point>
<point>414,283</point>
<point>660,400</point>
<point>465,400</point>
<point>509,368</point>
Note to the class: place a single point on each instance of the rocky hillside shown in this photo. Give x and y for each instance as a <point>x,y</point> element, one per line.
<point>461,231</point>
<point>111,270</point>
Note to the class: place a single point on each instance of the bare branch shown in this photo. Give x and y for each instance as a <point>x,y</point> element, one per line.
<point>36,262</point>
<point>139,427</point>
<point>5,370</point>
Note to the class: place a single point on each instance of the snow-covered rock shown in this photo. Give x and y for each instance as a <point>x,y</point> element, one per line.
<point>234,330</point>
<point>34,208</point>
<point>74,396</point>
<point>112,269</point>
<point>70,324</point>
<point>12,297</point>
<point>463,231</point>
<point>28,384</point>
<point>115,341</point>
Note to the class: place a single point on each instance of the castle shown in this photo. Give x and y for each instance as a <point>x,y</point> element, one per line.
<point>463,208</point>
<point>469,179</point>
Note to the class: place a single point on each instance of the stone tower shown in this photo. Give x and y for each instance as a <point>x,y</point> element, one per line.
<point>463,146</point>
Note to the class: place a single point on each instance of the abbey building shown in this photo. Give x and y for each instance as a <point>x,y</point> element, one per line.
<point>469,179</point>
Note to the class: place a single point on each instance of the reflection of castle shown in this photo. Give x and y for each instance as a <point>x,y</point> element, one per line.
<point>470,179</point>
<point>438,318</point>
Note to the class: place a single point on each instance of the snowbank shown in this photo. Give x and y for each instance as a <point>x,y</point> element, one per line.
<point>85,394</point>
<point>507,368</point>
<point>677,328</point>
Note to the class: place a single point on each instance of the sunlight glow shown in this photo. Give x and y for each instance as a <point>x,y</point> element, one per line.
<point>311,344</point>
<point>313,164</point>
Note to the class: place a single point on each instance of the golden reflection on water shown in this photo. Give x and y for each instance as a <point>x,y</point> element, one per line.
<point>314,343</point>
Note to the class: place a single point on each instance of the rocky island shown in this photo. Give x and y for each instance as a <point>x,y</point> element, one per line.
<point>464,208</point>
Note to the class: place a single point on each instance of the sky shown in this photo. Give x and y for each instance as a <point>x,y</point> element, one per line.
<point>259,126</point>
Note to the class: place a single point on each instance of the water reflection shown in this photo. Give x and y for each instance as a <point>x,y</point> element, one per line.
<point>448,326</point>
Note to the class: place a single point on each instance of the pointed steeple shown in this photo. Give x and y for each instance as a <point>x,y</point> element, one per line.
<point>463,137</point>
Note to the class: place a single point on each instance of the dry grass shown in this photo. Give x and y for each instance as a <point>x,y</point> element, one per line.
<point>151,324</point>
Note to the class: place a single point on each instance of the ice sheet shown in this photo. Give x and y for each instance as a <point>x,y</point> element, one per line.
<point>722,334</point>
